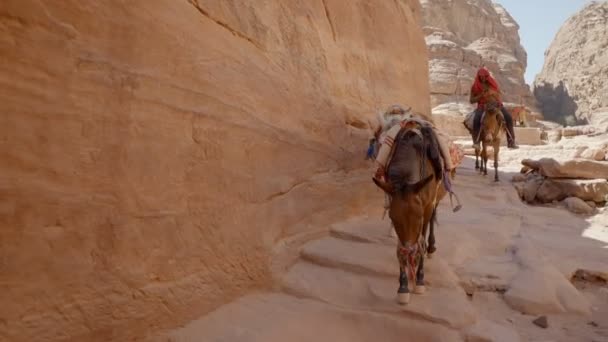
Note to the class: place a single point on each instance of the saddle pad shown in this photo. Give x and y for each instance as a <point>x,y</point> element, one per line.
<point>387,146</point>
<point>456,153</point>
<point>468,120</point>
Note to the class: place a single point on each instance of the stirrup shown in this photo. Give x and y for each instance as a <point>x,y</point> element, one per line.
<point>458,205</point>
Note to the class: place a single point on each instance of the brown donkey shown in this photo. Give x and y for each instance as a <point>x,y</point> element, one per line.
<point>492,123</point>
<point>414,181</point>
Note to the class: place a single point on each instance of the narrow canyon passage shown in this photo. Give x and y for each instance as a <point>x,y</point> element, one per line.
<point>499,264</point>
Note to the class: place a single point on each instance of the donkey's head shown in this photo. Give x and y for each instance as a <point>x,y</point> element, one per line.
<point>408,204</point>
<point>492,120</point>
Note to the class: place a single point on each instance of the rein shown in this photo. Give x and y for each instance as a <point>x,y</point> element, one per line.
<point>447,183</point>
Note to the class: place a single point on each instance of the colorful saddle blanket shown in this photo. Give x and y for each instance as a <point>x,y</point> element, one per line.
<point>447,147</point>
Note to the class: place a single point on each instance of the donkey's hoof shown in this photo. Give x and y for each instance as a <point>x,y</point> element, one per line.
<point>431,249</point>
<point>403,298</point>
<point>419,289</point>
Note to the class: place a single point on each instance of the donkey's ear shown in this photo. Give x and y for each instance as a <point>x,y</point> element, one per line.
<point>420,185</point>
<point>386,186</point>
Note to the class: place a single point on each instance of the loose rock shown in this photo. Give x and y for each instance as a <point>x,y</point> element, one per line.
<point>541,322</point>
<point>559,189</point>
<point>578,206</point>
<point>574,169</point>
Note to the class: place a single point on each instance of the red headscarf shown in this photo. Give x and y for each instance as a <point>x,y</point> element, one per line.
<point>478,88</point>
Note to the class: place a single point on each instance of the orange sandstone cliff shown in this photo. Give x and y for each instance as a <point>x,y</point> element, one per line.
<point>154,152</point>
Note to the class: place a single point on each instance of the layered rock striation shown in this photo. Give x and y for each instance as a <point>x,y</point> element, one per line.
<point>572,87</point>
<point>153,153</point>
<point>463,35</point>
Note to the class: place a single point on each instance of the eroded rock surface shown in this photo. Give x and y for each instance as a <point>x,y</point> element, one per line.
<point>573,83</point>
<point>154,152</point>
<point>461,36</point>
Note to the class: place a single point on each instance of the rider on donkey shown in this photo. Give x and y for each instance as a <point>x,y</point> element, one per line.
<point>484,89</point>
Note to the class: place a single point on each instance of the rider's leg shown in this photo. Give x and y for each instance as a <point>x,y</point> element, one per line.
<point>509,122</point>
<point>477,126</point>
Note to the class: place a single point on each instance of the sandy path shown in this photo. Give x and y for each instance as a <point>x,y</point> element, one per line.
<point>499,265</point>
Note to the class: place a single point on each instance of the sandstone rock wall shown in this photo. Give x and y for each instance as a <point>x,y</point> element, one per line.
<point>573,84</point>
<point>153,153</point>
<point>463,35</point>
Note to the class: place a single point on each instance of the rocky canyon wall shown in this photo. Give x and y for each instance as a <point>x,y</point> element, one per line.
<point>573,84</point>
<point>153,153</point>
<point>463,35</point>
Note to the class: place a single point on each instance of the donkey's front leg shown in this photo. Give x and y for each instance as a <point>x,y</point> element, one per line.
<point>484,160</point>
<point>431,242</point>
<point>420,289</point>
<point>403,294</point>
<point>496,150</point>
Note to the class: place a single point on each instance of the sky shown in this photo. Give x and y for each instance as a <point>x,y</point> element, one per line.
<point>539,21</point>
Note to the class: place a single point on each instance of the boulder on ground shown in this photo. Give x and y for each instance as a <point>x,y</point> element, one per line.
<point>591,204</point>
<point>559,189</point>
<point>531,188</point>
<point>578,206</point>
<point>519,178</point>
<point>576,168</point>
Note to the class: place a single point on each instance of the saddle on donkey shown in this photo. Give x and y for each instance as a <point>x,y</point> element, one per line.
<point>469,120</point>
<point>396,122</point>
